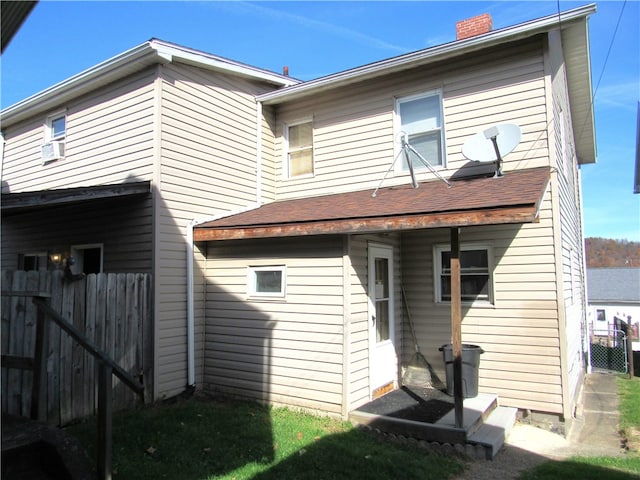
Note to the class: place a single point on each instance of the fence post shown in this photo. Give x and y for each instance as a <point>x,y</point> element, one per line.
<point>105,414</point>
<point>39,385</point>
<point>630,350</point>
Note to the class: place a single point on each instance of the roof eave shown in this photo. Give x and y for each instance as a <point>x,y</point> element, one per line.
<point>429,55</point>
<point>131,61</point>
<point>575,41</point>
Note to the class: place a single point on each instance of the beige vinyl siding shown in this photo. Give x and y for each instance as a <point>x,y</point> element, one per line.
<point>353,128</point>
<point>208,149</point>
<point>108,141</point>
<point>122,226</point>
<point>284,351</point>
<point>570,227</point>
<point>519,332</point>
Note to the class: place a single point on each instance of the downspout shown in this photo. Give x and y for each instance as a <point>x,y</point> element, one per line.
<point>259,153</point>
<point>191,369</point>
<point>191,373</point>
<point>1,153</point>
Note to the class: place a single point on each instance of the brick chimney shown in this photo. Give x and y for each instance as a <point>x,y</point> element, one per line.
<point>474,26</point>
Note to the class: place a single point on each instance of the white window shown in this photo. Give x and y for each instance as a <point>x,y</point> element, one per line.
<point>56,127</point>
<point>267,281</point>
<point>475,273</point>
<point>420,118</point>
<point>299,149</point>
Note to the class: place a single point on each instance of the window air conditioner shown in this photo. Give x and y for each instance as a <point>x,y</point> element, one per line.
<point>52,151</point>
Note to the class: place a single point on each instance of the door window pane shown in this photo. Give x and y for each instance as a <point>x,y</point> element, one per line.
<point>382,299</point>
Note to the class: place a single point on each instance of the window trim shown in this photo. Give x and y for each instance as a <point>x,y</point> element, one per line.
<point>48,127</point>
<point>286,150</point>
<point>251,281</point>
<point>437,273</point>
<point>398,128</point>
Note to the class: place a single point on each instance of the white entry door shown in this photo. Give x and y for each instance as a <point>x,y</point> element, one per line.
<point>383,361</point>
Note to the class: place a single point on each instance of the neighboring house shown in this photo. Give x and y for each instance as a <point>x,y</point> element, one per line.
<point>302,279</point>
<point>614,297</point>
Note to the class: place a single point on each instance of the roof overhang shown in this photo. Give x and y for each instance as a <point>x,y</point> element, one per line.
<point>152,52</point>
<point>13,15</point>
<point>512,199</point>
<point>14,203</point>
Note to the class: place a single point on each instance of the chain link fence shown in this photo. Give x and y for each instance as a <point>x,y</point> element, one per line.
<point>609,352</point>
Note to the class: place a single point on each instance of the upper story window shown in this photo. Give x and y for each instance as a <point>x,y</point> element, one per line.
<point>299,149</point>
<point>55,130</point>
<point>475,274</point>
<point>56,127</point>
<point>420,118</point>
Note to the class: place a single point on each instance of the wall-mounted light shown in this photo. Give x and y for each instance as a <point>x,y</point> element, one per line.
<point>56,258</point>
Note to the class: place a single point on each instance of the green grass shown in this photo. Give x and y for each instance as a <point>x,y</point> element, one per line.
<point>204,440</point>
<point>630,411</point>
<point>599,468</point>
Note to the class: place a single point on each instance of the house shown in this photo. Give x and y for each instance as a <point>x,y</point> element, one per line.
<point>308,247</point>
<point>613,297</point>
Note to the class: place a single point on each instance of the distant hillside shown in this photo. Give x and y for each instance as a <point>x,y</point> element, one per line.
<point>607,252</point>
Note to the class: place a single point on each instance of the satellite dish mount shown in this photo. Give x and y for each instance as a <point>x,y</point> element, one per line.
<point>406,149</point>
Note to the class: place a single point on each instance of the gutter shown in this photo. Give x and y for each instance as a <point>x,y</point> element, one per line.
<point>191,373</point>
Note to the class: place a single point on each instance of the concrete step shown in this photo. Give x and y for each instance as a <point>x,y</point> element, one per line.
<point>474,411</point>
<point>493,432</point>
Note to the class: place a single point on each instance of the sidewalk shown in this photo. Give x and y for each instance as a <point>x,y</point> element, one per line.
<point>594,433</point>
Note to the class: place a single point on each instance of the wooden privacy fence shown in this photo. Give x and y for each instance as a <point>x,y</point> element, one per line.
<point>113,311</point>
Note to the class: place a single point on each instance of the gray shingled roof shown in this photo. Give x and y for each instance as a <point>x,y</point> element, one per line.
<point>613,285</point>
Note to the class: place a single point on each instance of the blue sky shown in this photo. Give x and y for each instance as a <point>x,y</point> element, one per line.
<point>60,39</point>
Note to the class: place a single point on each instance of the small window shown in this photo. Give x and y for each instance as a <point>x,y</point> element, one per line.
<point>267,281</point>
<point>601,316</point>
<point>32,261</point>
<point>420,118</point>
<point>56,127</point>
<point>475,274</point>
<point>299,151</point>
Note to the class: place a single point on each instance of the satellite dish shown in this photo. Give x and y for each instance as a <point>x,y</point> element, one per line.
<point>493,143</point>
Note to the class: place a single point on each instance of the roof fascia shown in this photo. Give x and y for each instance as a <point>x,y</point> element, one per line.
<point>213,62</point>
<point>123,64</point>
<point>429,55</point>
<point>80,83</point>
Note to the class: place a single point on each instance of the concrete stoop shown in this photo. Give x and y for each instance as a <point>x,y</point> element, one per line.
<point>494,431</point>
<point>485,428</point>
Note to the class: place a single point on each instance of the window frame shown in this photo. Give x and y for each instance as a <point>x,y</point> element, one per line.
<point>437,273</point>
<point>252,271</point>
<point>287,150</point>
<point>398,128</point>
<point>40,258</point>
<point>49,135</point>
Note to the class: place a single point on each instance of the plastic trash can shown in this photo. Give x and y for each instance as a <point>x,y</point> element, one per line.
<point>470,367</point>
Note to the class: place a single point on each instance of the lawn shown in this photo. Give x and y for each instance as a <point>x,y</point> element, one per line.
<point>599,468</point>
<point>201,439</point>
